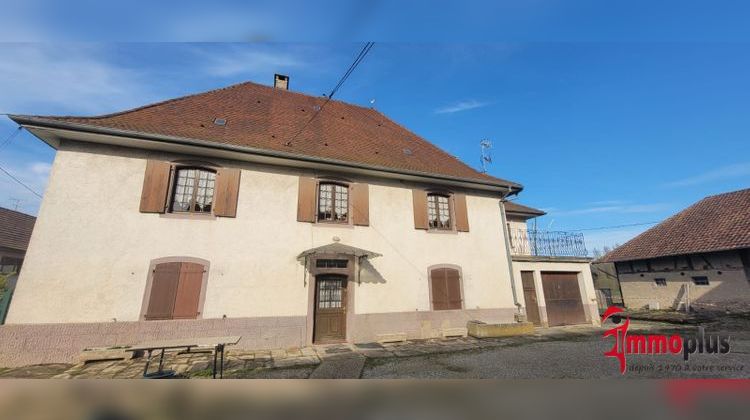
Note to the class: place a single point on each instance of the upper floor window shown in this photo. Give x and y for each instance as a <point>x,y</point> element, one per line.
<point>333,202</point>
<point>439,211</point>
<point>193,190</point>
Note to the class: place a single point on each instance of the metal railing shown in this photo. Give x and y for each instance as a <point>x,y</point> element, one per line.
<point>547,244</point>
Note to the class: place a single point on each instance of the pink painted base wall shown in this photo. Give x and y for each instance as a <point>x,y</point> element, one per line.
<point>27,344</point>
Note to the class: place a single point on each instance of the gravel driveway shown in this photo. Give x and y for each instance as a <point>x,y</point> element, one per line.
<point>579,356</point>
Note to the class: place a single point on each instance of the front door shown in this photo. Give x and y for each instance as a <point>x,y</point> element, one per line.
<point>330,308</point>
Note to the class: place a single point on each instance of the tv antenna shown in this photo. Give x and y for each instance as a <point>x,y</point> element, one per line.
<point>486,156</point>
<point>16,201</point>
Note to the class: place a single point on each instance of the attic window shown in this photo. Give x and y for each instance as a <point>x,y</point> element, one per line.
<point>220,121</point>
<point>408,152</point>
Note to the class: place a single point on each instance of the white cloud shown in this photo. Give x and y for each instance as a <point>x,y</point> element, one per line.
<point>44,78</point>
<point>724,172</point>
<point>461,106</point>
<point>629,208</point>
<point>252,62</point>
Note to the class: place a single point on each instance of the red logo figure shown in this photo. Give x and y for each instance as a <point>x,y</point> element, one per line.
<point>620,334</point>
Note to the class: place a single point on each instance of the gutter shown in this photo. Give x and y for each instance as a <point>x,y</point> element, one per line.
<point>508,256</point>
<point>37,122</point>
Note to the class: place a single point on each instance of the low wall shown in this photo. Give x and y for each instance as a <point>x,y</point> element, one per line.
<point>26,344</point>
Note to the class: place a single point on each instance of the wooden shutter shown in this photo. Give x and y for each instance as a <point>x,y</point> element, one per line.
<point>462,216</point>
<point>188,291</point>
<point>306,199</point>
<point>163,291</point>
<point>155,187</point>
<point>361,204</point>
<point>419,198</point>
<point>226,192</point>
<point>453,285</point>
<point>439,289</point>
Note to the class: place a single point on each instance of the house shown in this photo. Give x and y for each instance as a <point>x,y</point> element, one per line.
<point>553,268</point>
<point>15,233</point>
<point>699,258</point>
<point>256,211</point>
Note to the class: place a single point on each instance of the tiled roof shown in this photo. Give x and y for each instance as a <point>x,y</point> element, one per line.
<point>15,229</point>
<point>716,223</point>
<point>267,118</point>
<point>513,207</point>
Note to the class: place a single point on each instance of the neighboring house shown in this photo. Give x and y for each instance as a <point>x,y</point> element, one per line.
<point>556,283</point>
<point>606,284</point>
<point>15,233</point>
<point>699,257</point>
<point>235,212</point>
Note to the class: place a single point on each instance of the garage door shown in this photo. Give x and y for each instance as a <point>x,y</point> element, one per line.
<point>563,299</point>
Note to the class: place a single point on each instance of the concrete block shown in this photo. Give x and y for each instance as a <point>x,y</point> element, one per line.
<point>391,338</point>
<point>480,329</point>
<point>454,332</point>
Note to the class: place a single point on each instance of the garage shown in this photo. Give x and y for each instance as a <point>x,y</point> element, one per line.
<point>562,296</point>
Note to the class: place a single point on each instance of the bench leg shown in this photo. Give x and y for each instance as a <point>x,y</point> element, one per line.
<point>148,362</point>
<point>216,350</point>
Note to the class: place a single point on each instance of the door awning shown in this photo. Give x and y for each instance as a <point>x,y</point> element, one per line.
<point>338,248</point>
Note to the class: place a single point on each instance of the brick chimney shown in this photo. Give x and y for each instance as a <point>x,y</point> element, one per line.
<point>281,81</point>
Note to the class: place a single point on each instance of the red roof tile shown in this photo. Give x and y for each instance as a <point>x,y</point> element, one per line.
<point>15,229</point>
<point>716,223</point>
<point>268,118</point>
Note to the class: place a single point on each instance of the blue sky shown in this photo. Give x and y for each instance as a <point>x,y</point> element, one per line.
<point>626,127</point>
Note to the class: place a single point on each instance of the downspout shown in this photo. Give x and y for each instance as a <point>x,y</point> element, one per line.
<point>506,236</point>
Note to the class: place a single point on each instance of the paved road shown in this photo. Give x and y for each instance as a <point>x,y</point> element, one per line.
<point>577,357</point>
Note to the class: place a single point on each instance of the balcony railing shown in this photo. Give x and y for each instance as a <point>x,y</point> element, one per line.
<point>547,244</point>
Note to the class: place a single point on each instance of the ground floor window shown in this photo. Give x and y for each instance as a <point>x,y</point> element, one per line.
<point>445,288</point>
<point>175,290</point>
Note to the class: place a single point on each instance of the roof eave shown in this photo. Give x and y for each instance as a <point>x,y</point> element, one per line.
<point>28,121</point>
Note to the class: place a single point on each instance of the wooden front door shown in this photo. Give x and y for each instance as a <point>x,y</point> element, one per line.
<point>563,299</point>
<point>330,308</point>
<point>529,295</point>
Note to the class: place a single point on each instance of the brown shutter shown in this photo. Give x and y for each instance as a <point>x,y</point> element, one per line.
<point>226,192</point>
<point>163,291</point>
<point>155,187</point>
<point>188,291</point>
<point>462,216</point>
<point>439,289</point>
<point>453,285</point>
<point>419,198</point>
<point>306,199</point>
<point>361,204</point>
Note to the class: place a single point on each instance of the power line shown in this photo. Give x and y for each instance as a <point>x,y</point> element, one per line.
<point>614,227</point>
<point>11,136</point>
<point>362,53</point>
<point>20,182</point>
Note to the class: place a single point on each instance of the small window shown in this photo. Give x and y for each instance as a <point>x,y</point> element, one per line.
<point>331,263</point>
<point>333,203</point>
<point>660,282</point>
<point>700,281</point>
<point>193,190</point>
<point>439,211</point>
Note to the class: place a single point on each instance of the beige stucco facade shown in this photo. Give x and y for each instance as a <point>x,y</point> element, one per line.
<point>90,252</point>
<point>728,288</point>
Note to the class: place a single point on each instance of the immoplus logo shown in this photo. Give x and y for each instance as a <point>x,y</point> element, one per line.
<point>657,344</point>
